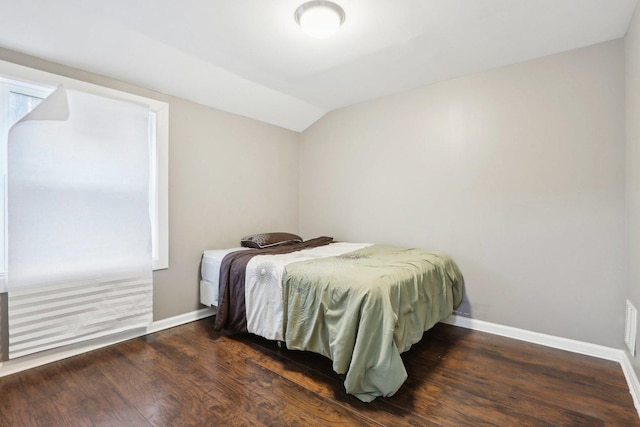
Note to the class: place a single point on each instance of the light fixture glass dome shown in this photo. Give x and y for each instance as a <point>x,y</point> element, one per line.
<point>320,19</point>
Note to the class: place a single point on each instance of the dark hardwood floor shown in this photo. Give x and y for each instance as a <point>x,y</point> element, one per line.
<point>191,375</point>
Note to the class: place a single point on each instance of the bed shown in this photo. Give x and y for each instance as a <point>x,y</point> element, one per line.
<point>361,305</point>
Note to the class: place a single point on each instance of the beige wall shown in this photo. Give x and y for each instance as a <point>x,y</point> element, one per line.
<point>632,44</point>
<point>228,176</point>
<point>517,172</point>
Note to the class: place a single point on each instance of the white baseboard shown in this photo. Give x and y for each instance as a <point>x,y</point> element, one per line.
<point>632,380</point>
<point>38,359</point>
<point>566,344</point>
<point>180,319</point>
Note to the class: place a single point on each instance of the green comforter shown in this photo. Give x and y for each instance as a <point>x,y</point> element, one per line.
<point>364,308</point>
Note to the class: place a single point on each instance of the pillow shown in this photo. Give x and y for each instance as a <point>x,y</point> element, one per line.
<point>268,240</point>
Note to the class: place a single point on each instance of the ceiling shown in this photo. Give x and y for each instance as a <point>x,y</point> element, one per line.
<point>249,57</point>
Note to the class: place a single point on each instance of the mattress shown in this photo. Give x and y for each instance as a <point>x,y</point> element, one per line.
<point>210,272</point>
<point>263,284</point>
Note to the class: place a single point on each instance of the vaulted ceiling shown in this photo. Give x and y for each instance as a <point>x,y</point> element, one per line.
<point>249,56</point>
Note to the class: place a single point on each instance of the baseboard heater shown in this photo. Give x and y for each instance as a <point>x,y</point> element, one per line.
<point>46,317</point>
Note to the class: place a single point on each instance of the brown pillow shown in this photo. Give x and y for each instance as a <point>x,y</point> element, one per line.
<point>268,240</point>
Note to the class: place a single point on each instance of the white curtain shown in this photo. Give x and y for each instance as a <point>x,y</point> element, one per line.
<point>79,234</point>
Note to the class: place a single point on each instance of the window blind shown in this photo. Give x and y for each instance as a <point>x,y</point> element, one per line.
<point>79,234</point>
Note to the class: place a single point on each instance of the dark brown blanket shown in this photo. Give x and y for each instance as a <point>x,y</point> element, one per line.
<point>231,314</point>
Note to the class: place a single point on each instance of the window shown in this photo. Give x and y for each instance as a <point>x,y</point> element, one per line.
<point>17,98</point>
<point>20,103</point>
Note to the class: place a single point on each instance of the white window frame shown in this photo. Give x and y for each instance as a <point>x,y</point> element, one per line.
<point>32,78</point>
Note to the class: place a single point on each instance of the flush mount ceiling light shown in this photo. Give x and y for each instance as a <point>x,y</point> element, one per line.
<point>320,19</point>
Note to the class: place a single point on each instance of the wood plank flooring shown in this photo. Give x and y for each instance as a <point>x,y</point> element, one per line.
<point>191,375</point>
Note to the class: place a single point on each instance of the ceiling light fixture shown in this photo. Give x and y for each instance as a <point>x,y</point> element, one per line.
<point>320,19</point>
